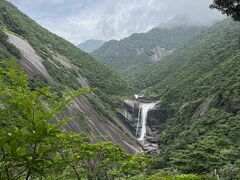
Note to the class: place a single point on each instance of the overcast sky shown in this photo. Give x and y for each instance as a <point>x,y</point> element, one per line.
<point>80,20</point>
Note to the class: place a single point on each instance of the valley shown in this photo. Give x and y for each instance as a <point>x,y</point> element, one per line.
<point>161,104</point>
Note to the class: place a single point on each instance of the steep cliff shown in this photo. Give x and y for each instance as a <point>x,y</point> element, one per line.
<point>49,59</point>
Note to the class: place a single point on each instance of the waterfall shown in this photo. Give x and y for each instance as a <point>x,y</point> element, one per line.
<point>139,113</point>
<point>144,108</point>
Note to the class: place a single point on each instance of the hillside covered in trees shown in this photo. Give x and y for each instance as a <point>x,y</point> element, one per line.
<point>58,104</point>
<point>199,84</point>
<point>130,54</point>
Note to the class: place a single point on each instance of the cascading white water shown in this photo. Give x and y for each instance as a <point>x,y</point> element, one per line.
<point>139,113</point>
<point>144,108</point>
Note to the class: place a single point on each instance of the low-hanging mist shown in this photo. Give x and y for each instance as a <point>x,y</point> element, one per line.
<point>79,21</point>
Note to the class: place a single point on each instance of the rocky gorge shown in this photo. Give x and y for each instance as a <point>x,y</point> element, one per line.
<point>144,119</point>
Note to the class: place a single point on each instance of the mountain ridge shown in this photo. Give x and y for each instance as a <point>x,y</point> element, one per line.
<point>140,49</point>
<point>91,45</point>
<point>199,85</point>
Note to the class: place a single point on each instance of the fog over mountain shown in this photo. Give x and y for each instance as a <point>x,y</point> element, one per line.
<point>80,20</point>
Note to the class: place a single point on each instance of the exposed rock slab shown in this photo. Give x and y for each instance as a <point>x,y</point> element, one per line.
<point>31,62</point>
<point>101,127</point>
<point>159,53</point>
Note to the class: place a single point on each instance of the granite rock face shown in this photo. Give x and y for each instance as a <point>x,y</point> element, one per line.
<point>159,53</point>
<point>207,105</point>
<point>189,107</point>
<point>130,116</point>
<point>199,108</point>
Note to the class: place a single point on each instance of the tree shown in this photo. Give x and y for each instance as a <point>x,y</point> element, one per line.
<point>228,7</point>
<point>34,146</point>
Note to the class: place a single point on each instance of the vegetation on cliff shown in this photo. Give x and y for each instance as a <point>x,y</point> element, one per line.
<point>200,138</point>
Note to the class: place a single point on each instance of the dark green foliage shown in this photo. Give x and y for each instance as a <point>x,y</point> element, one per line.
<point>202,67</point>
<point>202,145</point>
<point>228,7</point>
<point>37,82</point>
<point>11,48</point>
<point>132,53</point>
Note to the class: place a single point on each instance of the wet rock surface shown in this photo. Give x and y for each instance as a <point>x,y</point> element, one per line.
<point>131,118</point>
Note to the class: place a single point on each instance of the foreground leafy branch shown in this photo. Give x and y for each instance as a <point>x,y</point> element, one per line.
<point>33,146</point>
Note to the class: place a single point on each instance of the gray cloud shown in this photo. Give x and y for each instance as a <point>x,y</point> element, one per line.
<point>80,20</point>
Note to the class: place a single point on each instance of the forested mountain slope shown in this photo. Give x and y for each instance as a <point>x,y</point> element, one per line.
<point>189,70</point>
<point>140,49</point>
<point>200,86</point>
<point>49,59</point>
<point>91,45</point>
